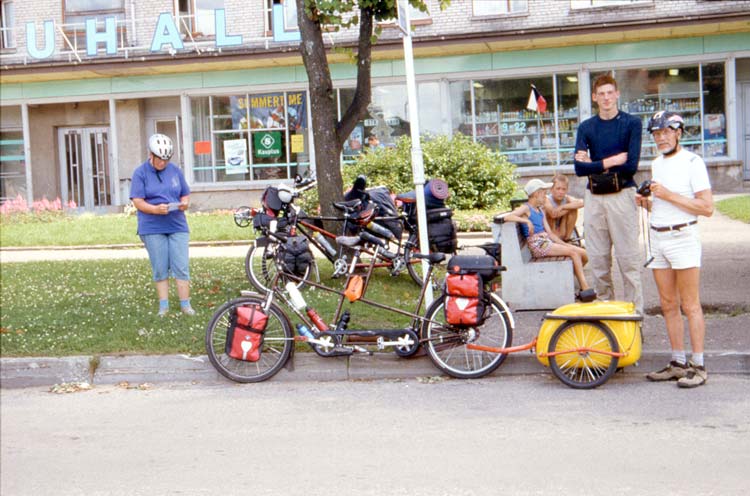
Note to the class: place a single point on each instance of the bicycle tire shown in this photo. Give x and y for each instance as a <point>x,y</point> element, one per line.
<point>583,370</point>
<point>260,267</point>
<point>414,266</point>
<point>278,341</point>
<point>446,345</point>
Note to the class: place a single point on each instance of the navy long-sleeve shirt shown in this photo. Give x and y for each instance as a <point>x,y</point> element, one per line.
<point>604,138</point>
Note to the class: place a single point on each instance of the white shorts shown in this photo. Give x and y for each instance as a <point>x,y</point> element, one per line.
<point>676,249</point>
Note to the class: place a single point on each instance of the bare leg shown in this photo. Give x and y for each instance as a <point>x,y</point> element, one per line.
<point>688,281</point>
<point>568,224</point>
<point>666,283</point>
<point>565,250</point>
<point>162,289</point>
<point>183,289</point>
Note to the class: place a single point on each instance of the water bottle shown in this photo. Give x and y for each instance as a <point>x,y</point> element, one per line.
<point>297,300</point>
<point>325,244</point>
<point>302,330</point>
<point>381,231</point>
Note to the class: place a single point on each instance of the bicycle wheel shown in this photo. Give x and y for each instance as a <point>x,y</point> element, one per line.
<point>261,266</point>
<point>583,369</point>
<point>446,345</point>
<point>414,266</point>
<point>278,340</point>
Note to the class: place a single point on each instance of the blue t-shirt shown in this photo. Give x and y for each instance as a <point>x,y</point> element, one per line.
<point>536,216</point>
<point>157,187</point>
<point>604,138</point>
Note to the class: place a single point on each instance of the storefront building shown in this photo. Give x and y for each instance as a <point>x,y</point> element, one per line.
<point>224,79</point>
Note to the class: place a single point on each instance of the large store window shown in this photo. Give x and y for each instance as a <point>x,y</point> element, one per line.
<point>496,113</point>
<point>260,136</point>
<point>388,116</point>
<point>695,92</point>
<point>12,165</point>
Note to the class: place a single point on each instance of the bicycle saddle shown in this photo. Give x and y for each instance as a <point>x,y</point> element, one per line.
<point>347,206</point>
<point>433,258</point>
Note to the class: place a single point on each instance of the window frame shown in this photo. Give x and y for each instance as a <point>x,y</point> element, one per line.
<point>577,5</point>
<point>8,38</point>
<point>71,29</point>
<point>508,12</point>
<point>192,21</point>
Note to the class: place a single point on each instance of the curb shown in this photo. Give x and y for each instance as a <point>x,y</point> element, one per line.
<point>155,369</point>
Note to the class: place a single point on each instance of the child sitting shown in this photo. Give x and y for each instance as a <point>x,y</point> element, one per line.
<point>561,209</point>
<point>542,241</point>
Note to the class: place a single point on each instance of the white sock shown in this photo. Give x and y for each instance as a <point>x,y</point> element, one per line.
<point>679,357</point>
<point>697,359</point>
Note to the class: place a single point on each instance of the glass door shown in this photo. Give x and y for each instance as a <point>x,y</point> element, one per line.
<point>85,176</point>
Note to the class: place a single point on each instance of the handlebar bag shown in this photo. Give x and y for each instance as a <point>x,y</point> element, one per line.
<point>245,333</point>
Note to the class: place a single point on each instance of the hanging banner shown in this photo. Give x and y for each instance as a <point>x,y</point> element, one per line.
<point>266,111</point>
<point>235,156</point>
<point>238,105</point>
<point>267,144</point>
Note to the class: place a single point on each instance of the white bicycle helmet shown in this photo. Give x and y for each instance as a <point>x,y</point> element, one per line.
<point>161,146</point>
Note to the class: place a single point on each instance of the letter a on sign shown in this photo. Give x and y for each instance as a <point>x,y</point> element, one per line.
<point>166,32</point>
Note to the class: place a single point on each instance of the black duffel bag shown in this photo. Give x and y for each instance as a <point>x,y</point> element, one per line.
<point>296,255</point>
<point>441,230</point>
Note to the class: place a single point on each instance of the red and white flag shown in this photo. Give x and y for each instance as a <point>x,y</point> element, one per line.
<point>537,103</point>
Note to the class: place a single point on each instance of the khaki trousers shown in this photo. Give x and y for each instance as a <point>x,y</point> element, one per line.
<point>612,221</point>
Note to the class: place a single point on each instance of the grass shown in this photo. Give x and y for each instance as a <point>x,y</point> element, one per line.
<point>109,306</point>
<point>57,229</point>
<point>737,207</point>
<point>88,229</point>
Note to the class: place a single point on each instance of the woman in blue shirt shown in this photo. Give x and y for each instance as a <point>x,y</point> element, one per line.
<point>161,195</point>
<point>542,241</point>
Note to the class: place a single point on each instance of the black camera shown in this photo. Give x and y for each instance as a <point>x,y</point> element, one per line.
<point>645,188</point>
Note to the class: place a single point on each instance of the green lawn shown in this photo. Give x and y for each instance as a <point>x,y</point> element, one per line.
<point>57,229</point>
<point>109,306</point>
<point>87,229</point>
<point>737,207</point>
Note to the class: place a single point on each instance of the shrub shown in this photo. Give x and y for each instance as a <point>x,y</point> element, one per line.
<point>18,210</point>
<point>479,178</point>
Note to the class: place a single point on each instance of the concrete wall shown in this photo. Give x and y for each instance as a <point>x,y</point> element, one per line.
<point>10,117</point>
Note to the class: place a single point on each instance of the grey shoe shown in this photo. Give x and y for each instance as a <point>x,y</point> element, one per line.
<point>163,312</point>
<point>696,376</point>
<point>672,372</point>
<point>188,311</point>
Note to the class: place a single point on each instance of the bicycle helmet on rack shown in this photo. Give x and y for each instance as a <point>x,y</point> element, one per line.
<point>161,146</point>
<point>665,119</point>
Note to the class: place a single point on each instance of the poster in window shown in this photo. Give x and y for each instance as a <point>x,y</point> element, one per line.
<point>267,111</point>
<point>353,145</point>
<point>238,104</point>
<point>296,111</point>
<point>267,144</point>
<point>235,156</point>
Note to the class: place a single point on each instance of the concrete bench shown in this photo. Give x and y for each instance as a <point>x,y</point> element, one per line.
<point>531,283</point>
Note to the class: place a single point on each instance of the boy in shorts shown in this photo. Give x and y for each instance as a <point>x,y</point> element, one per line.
<point>561,209</point>
<point>542,242</point>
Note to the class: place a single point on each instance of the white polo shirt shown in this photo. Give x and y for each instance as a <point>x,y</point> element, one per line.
<point>683,173</point>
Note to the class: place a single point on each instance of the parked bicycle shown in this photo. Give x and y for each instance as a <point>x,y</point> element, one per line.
<point>249,339</point>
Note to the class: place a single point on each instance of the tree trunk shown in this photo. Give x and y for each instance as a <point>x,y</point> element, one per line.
<point>330,134</point>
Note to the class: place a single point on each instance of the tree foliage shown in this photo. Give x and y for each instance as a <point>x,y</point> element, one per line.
<point>329,131</point>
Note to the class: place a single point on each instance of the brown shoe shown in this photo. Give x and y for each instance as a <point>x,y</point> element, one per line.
<point>696,376</point>
<point>672,372</point>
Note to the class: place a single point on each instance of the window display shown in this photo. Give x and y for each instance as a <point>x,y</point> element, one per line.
<point>250,137</point>
<point>500,117</point>
<point>695,92</point>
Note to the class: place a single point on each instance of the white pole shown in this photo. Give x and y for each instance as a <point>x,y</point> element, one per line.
<point>114,152</point>
<point>27,152</point>
<point>417,164</point>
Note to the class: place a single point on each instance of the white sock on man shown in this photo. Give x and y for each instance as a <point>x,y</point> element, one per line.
<point>679,357</point>
<point>697,359</point>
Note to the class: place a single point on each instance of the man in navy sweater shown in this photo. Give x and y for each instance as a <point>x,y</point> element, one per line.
<point>608,147</point>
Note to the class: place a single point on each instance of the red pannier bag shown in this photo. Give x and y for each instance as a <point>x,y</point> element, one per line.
<point>464,306</point>
<point>464,288</point>
<point>245,333</point>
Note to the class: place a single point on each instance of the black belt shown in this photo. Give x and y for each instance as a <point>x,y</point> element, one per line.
<point>675,227</point>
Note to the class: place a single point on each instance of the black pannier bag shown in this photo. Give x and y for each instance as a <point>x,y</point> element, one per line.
<point>464,289</point>
<point>441,231</point>
<point>296,255</point>
<point>245,333</point>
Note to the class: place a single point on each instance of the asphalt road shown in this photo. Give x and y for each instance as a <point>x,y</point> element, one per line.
<point>523,435</point>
